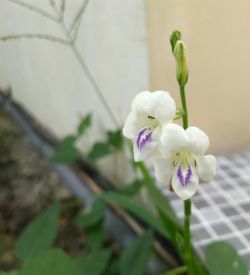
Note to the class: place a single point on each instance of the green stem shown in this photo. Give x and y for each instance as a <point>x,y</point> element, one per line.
<point>184,107</point>
<point>177,270</point>
<point>94,84</point>
<point>81,60</point>
<point>187,236</point>
<point>187,203</point>
<point>145,172</point>
<point>34,9</point>
<point>179,114</point>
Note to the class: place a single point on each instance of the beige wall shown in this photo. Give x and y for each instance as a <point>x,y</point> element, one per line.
<point>217,34</point>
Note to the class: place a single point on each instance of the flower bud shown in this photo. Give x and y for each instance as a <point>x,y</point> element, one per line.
<point>181,63</point>
<point>175,36</point>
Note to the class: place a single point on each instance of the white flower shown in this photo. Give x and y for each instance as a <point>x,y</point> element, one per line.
<point>183,161</point>
<point>150,112</point>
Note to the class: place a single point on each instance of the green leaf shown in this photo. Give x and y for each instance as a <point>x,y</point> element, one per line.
<point>66,152</point>
<point>133,188</point>
<point>115,138</point>
<point>9,273</point>
<point>176,234</point>
<point>168,217</point>
<point>51,262</point>
<point>159,199</point>
<point>198,265</point>
<point>222,259</point>
<point>114,267</point>
<point>66,156</point>
<point>96,237</point>
<point>161,202</point>
<point>127,203</point>
<point>135,258</point>
<point>99,150</point>
<point>39,235</point>
<point>92,215</point>
<point>84,124</point>
<point>176,271</point>
<point>174,231</point>
<point>67,141</point>
<point>93,263</point>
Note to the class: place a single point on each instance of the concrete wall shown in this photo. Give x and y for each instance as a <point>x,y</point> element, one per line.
<point>46,77</point>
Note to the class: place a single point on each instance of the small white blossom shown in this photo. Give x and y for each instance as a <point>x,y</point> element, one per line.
<point>183,161</point>
<point>150,112</point>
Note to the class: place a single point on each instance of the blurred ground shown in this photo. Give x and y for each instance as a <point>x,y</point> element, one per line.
<point>27,186</point>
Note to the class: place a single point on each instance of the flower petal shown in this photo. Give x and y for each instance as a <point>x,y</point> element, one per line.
<point>146,143</point>
<point>130,126</point>
<point>163,170</point>
<point>198,140</point>
<point>158,104</point>
<point>185,183</point>
<point>206,167</point>
<point>140,101</point>
<point>173,139</point>
<point>133,124</point>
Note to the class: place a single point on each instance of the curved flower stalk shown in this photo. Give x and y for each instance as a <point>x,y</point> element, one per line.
<point>184,161</point>
<point>150,113</point>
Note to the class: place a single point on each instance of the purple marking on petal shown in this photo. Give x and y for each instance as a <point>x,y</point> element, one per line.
<point>188,175</point>
<point>138,140</point>
<point>144,137</point>
<point>180,176</point>
<point>184,180</point>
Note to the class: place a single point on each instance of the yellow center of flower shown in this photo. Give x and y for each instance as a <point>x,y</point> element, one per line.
<point>184,159</point>
<point>153,123</point>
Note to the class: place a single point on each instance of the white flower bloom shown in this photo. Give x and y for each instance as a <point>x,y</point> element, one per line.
<point>150,113</point>
<point>183,161</point>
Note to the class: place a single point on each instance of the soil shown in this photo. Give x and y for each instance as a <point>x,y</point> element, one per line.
<point>27,185</point>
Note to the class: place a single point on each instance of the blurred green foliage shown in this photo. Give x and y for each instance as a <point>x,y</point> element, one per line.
<point>68,153</point>
<point>221,258</point>
<point>39,235</point>
<point>112,143</point>
<point>135,257</point>
<point>99,259</point>
<point>84,125</point>
<point>38,256</point>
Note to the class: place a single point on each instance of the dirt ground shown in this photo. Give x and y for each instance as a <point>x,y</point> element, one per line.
<point>27,185</point>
